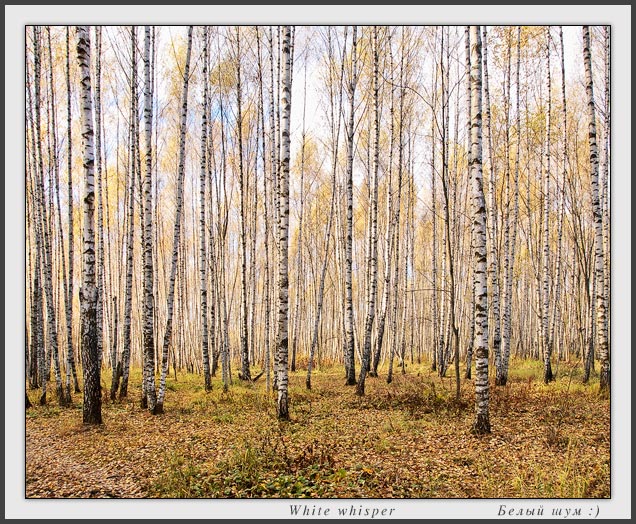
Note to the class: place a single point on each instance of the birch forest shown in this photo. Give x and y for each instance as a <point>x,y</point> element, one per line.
<point>317,261</point>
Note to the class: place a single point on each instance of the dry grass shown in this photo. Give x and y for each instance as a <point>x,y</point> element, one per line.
<point>410,438</point>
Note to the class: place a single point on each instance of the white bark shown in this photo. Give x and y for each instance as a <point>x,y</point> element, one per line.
<point>350,360</point>
<point>282,404</point>
<point>372,259</point>
<point>92,407</point>
<point>148,288</point>
<point>177,227</point>
<point>599,298</point>
<point>202,226</point>
<point>510,262</point>
<point>493,259</point>
<point>545,269</point>
<point>482,422</point>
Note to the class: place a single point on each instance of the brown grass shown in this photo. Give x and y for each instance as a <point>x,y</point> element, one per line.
<point>410,438</point>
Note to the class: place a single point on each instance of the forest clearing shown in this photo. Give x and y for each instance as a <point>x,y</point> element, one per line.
<point>409,438</point>
<point>317,261</point>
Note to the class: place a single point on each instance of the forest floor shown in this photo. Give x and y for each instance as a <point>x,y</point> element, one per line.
<point>410,438</point>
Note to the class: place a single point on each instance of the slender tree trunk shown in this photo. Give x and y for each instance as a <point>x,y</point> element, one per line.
<point>63,399</point>
<point>389,233</point>
<point>245,361</point>
<point>266,202</point>
<point>274,112</point>
<point>335,138</point>
<point>123,389</point>
<point>482,421</point>
<point>604,189</point>
<point>350,356</point>
<point>202,240</point>
<point>502,377</point>
<point>70,355</point>
<point>299,249</point>
<point>282,404</point>
<point>444,74</point>
<point>545,269</point>
<point>222,219</point>
<point>372,259</point>
<point>469,348</point>
<point>92,407</point>
<point>556,297</point>
<point>599,298</point>
<point>396,218</point>
<point>100,210</point>
<point>42,222</point>
<point>177,228</point>
<point>435,308</point>
<point>148,288</point>
<point>493,260</point>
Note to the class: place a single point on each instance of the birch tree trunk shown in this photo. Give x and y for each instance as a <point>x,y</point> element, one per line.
<point>222,219</point>
<point>482,420</point>
<point>435,322</point>
<point>372,258</point>
<point>389,232</point>
<point>92,407</point>
<point>148,301</point>
<point>177,229</point>
<point>335,138</point>
<point>604,196</point>
<point>99,273</point>
<point>299,249</point>
<point>561,210</point>
<point>63,400</point>
<point>266,202</point>
<point>502,372</point>
<point>396,221</point>
<point>545,269</point>
<point>245,360</point>
<point>70,355</point>
<point>350,355</point>
<point>274,111</point>
<point>36,363</point>
<point>125,357</point>
<point>202,237</point>
<point>282,403</point>
<point>469,348</point>
<point>493,263</point>
<point>42,225</point>
<point>601,313</point>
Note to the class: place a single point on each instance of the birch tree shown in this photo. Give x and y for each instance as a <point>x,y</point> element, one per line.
<point>177,228</point>
<point>130,234</point>
<point>148,302</point>
<point>335,94</point>
<point>493,259</point>
<point>601,312</point>
<point>482,420</point>
<point>70,354</point>
<point>44,241</point>
<point>372,256</point>
<point>202,226</point>
<point>92,407</point>
<point>502,371</point>
<point>350,362</point>
<point>545,292</point>
<point>245,362</point>
<point>282,403</point>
